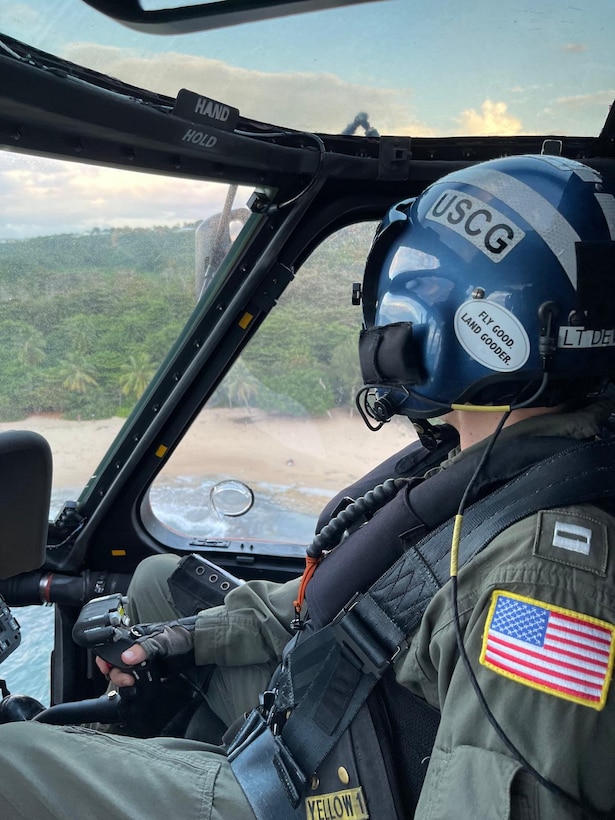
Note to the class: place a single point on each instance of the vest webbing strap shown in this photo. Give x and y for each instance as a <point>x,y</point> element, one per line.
<point>361,643</point>
<point>372,630</point>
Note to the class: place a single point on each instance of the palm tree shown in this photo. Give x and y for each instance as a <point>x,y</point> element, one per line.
<point>31,351</point>
<point>136,374</point>
<point>78,374</point>
<point>240,385</point>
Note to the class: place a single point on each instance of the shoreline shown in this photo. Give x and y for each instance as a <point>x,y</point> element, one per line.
<point>327,452</point>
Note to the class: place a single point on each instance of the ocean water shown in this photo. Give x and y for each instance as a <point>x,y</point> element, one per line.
<point>285,513</point>
<point>27,670</point>
<point>282,513</point>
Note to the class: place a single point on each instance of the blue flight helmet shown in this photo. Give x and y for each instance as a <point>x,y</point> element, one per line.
<point>496,286</point>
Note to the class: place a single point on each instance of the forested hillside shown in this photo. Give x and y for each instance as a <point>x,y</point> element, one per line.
<point>85,320</point>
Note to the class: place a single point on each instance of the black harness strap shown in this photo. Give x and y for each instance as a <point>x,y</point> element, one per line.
<point>368,634</point>
<point>417,510</point>
<point>410,461</point>
<point>582,473</point>
<point>371,631</point>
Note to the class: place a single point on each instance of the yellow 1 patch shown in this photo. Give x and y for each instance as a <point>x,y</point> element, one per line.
<point>345,805</point>
<point>555,650</point>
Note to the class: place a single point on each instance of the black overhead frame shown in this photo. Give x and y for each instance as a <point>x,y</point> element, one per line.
<point>606,140</point>
<point>55,108</point>
<point>204,16</point>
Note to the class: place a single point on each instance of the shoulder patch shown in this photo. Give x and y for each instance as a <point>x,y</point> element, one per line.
<point>555,650</point>
<point>572,538</point>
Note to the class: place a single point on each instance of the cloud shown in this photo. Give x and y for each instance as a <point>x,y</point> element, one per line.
<point>582,113</point>
<point>40,196</point>
<point>601,99</point>
<point>300,100</point>
<point>43,196</point>
<point>574,48</point>
<point>492,120</point>
<point>67,197</point>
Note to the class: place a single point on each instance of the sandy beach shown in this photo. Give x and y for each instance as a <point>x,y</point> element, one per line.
<point>327,452</point>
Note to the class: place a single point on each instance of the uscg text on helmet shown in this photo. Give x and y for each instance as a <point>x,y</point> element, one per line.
<point>484,226</point>
<point>201,138</point>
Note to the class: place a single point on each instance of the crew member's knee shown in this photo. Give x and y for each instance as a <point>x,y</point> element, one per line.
<point>149,598</point>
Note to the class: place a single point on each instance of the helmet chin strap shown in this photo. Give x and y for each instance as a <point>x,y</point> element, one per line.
<point>427,432</point>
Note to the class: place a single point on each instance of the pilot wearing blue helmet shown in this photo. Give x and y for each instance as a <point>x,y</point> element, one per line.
<point>448,652</point>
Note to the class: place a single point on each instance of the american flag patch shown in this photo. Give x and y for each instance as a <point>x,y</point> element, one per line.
<point>549,648</point>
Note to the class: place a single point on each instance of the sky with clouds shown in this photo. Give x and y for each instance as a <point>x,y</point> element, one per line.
<point>439,68</point>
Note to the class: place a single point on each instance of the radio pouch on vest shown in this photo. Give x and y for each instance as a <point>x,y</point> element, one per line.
<point>361,643</point>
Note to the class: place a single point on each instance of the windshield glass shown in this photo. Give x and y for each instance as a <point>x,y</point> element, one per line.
<point>284,419</point>
<point>100,269</point>
<point>396,66</point>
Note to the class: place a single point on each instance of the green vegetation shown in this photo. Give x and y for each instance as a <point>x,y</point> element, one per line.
<point>304,359</point>
<point>85,320</point>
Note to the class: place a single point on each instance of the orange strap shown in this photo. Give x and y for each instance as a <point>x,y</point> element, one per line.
<point>310,567</point>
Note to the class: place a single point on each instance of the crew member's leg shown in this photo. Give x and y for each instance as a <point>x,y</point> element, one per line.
<point>149,597</point>
<point>235,690</point>
<point>69,772</point>
<point>232,691</point>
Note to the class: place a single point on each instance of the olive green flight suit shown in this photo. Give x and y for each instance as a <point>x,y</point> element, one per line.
<point>558,563</point>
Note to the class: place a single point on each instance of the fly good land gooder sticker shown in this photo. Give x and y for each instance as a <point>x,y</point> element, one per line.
<point>492,335</point>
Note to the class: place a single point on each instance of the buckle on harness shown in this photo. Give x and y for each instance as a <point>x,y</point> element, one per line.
<point>267,708</point>
<point>367,636</point>
<point>266,769</point>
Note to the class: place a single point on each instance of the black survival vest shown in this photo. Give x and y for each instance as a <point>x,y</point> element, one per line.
<point>319,746</point>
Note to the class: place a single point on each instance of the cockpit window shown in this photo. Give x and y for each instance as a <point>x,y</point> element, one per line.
<point>100,270</point>
<point>283,421</point>
<point>393,67</point>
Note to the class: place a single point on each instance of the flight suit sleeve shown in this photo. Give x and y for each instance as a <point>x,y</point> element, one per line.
<point>252,627</point>
<point>536,614</point>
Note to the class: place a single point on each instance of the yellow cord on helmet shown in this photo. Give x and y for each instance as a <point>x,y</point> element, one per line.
<point>480,408</point>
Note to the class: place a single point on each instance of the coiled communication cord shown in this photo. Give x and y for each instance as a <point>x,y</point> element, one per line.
<point>332,533</point>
